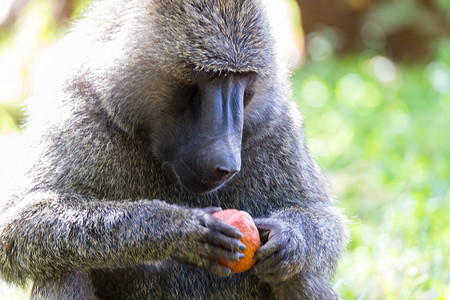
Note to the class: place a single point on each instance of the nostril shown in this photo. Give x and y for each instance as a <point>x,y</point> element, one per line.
<point>224,172</point>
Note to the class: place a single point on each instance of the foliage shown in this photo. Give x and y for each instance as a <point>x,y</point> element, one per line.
<point>380,130</point>
<point>20,47</point>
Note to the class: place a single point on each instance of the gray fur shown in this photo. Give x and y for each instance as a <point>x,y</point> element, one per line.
<point>99,215</point>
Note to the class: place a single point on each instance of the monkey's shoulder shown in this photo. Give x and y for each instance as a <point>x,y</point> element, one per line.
<point>91,157</point>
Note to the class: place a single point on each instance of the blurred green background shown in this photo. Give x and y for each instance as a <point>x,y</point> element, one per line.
<point>372,79</point>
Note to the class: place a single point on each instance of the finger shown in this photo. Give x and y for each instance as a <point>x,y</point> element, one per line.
<point>265,227</point>
<point>268,249</point>
<point>264,223</point>
<point>267,266</point>
<point>267,275</point>
<point>212,209</point>
<point>214,223</point>
<point>219,239</point>
<point>273,278</point>
<point>219,269</point>
<point>218,252</point>
<point>212,265</point>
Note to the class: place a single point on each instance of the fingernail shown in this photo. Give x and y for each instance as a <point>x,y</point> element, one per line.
<point>241,256</point>
<point>242,247</point>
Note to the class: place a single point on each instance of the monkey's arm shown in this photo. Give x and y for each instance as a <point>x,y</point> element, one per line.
<point>305,233</point>
<point>46,235</point>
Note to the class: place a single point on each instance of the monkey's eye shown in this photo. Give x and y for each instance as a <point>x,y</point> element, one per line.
<point>195,103</point>
<point>248,95</point>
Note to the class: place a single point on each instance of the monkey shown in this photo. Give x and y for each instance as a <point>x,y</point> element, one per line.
<point>154,115</point>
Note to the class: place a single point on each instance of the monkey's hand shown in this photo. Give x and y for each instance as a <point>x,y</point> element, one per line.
<point>282,254</point>
<point>205,238</point>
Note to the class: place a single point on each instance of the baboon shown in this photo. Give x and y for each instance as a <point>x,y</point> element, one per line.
<point>158,114</point>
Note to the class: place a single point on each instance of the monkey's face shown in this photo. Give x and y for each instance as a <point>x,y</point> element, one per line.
<point>182,73</point>
<point>209,54</point>
<point>202,140</point>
